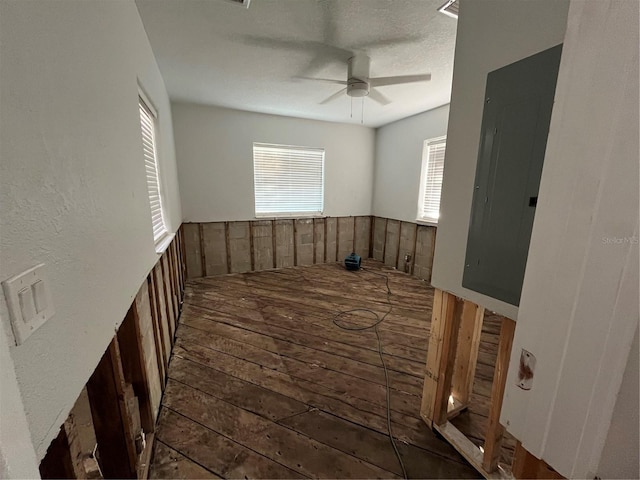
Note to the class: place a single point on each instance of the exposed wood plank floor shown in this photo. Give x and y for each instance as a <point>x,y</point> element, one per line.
<point>263,385</point>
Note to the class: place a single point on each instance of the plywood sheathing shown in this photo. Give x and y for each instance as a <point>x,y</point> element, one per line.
<point>425,246</point>
<point>407,246</point>
<point>362,236</point>
<point>345,237</point>
<point>233,247</point>
<point>262,245</point>
<point>392,243</point>
<point>304,241</point>
<point>379,237</point>
<point>318,235</point>
<point>215,249</point>
<point>192,250</point>
<point>239,247</point>
<point>284,243</point>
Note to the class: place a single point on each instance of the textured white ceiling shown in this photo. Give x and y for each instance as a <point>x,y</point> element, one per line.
<point>217,53</point>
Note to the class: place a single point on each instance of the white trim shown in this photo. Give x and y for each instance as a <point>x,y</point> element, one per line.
<point>147,101</point>
<point>426,223</point>
<point>423,179</point>
<point>163,242</point>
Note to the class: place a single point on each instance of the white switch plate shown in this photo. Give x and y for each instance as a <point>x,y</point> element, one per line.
<point>29,301</point>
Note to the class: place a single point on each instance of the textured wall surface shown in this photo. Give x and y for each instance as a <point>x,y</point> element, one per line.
<point>214,147</point>
<point>73,189</point>
<point>399,145</point>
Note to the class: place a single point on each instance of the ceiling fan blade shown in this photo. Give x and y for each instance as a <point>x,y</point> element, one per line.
<point>382,81</point>
<point>323,80</point>
<point>376,96</point>
<point>333,97</point>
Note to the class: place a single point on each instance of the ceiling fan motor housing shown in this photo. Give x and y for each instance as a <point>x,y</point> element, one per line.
<point>357,89</point>
<point>358,79</point>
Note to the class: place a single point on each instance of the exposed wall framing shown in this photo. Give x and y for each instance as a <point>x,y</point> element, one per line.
<point>234,247</point>
<point>450,369</point>
<point>109,432</point>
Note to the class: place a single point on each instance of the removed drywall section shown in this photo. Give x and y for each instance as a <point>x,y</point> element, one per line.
<point>296,242</point>
<point>392,242</point>
<point>345,236</point>
<point>73,191</point>
<point>491,34</point>
<point>193,249</point>
<point>285,245</point>
<point>239,247</point>
<point>379,238</point>
<point>215,151</point>
<point>579,307</point>
<point>214,235</point>
<point>262,234</point>
<point>319,235</point>
<point>425,247</point>
<point>407,247</point>
<point>331,238</point>
<point>304,241</point>
<point>399,162</point>
<point>362,236</point>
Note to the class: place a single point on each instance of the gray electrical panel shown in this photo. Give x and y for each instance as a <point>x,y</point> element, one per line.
<point>515,125</point>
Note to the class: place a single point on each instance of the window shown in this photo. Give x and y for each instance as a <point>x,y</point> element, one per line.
<point>431,179</point>
<point>288,180</point>
<point>149,148</point>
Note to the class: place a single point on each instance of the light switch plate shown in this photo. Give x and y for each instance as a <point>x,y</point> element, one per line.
<point>29,301</point>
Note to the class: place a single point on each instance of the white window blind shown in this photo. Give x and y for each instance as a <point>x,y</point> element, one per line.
<point>288,180</point>
<point>431,179</point>
<point>148,128</point>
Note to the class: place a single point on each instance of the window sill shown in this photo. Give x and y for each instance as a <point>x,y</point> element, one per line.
<point>428,223</point>
<point>289,216</point>
<point>163,242</point>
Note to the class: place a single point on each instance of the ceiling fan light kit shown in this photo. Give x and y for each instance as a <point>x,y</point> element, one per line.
<point>358,89</point>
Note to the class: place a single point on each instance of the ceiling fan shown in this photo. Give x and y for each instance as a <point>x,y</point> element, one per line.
<point>360,84</point>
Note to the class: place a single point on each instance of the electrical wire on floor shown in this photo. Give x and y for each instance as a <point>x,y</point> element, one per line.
<point>340,323</point>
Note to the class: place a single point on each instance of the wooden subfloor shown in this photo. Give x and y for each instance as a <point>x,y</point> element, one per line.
<point>262,384</point>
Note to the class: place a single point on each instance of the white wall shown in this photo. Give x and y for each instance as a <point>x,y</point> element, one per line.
<point>491,34</point>
<point>214,148</point>
<point>620,458</point>
<point>399,162</point>
<point>579,307</point>
<point>72,184</point>
<point>17,456</point>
